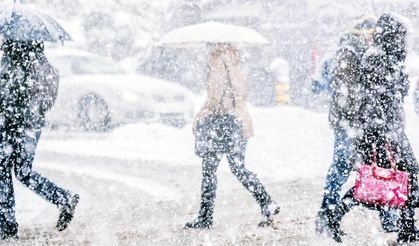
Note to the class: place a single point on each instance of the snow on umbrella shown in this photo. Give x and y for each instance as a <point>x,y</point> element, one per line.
<point>212,32</point>
<point>26,23</point>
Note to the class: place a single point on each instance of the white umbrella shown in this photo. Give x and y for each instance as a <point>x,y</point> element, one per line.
<point>212,32</point>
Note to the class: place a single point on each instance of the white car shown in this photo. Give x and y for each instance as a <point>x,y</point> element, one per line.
<point>96,93</point>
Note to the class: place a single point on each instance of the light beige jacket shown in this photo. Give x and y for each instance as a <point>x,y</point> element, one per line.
<point>217,83</point>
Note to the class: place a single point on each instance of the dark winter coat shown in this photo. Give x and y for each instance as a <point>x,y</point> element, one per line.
<point>345,81</point>
<point>28,83</point>
<point>384,80</point>
<point>384,85</point>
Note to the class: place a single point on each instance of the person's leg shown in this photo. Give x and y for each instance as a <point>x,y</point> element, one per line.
<point>339,170</point>
<point>236,159</point>
<point>334,216</point>
<point>407,232</point>
<point>8,225</point>
<point>210,162</point>
<point>23,159</point>
<point>337,176</point>
<point>389,219</point>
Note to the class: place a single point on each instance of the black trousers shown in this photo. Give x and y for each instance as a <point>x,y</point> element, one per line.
<point>18,141</point>
<point>215,137</point>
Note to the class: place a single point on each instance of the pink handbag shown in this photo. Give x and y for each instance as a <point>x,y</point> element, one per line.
<point>382,186</point>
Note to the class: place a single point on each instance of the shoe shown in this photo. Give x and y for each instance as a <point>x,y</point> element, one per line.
<point>199,223</point>
<point>408,237</point>
<point>320,223</point>
<point>67,213</point>
<point>268,212</point>
<point>390,227</point>
<point>9,231</point>
<point>390,222</point>
<point>328,223</point>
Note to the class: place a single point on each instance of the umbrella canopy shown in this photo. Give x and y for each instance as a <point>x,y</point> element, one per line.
<point>26,23</point>
<point>212,32</point>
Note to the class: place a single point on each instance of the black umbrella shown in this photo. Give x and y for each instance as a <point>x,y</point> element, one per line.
<point>26,23</point>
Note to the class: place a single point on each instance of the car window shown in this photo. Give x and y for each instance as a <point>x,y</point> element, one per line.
<point>83,65</point>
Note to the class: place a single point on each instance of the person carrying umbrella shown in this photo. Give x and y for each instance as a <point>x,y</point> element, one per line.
<point>223,126</point>
<point>28,89</point>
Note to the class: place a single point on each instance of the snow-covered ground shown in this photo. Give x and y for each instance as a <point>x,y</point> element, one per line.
<point>140,183</point>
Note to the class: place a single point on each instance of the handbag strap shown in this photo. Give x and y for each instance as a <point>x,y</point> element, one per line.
<point>391,154</point>
<point>389,151</point>
<point>229,86</point>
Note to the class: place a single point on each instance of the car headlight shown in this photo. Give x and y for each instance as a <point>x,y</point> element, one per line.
<point>131,97</point>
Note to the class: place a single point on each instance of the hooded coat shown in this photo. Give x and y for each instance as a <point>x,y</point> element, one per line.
<point>384,81</point>
<point>384,86</point>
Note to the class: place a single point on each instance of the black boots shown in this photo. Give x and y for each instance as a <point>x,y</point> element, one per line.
<point>9,231</point>
<point>328,223</point>
<point>204,219</point>
<point>268,212</point>
<point>199,223</point>
<point>67,213</point>
<point>407,232</point>
<point>390,225</point>
<point>408,236</point>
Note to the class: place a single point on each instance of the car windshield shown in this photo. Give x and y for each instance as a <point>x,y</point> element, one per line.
<point>83,65</point>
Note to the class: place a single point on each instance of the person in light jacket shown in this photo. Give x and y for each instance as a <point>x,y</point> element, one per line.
<point>223,126</point>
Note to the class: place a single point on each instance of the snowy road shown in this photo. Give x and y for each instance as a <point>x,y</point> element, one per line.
<point>140,184</point>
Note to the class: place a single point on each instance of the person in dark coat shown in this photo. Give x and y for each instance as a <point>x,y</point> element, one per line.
<point>382,119</point>
<point>345,80</point>
<point>28,89</point>
<point>223,126</point>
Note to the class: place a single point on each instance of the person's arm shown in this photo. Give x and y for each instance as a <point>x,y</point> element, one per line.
<point>346,70</point>
<point>237,79</point>
<point>215,82</point>
<point>404,82</point>
<point>214,90</point>
<point>344,77</point>
<point>48,80</point>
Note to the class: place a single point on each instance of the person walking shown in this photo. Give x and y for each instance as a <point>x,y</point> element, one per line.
<point>346,79</point>
<point>28,89</point>
<point>223,126</point>
<point>382,120</point>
